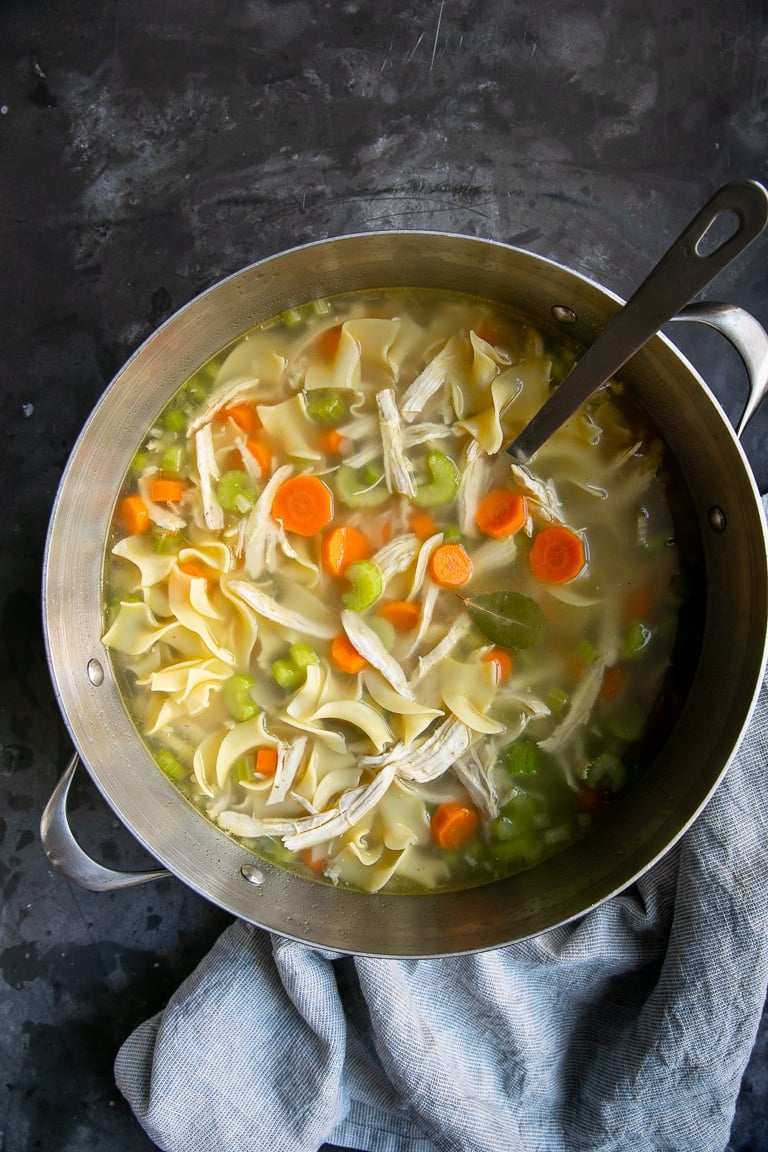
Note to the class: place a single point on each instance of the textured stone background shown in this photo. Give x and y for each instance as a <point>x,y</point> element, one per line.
<point>146,150</point>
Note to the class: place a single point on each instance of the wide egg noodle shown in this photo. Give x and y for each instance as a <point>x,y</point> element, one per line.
<point>153,567</point>
<point>184,607</point>
<point>288,425</point>
<point>367,871</point>
<point>468,690</point>
<point>345,371</point>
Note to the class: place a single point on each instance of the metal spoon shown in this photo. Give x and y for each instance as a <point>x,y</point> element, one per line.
<point>685,269</point>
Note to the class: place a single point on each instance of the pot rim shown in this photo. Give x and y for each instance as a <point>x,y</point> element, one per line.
<point>478,908</point>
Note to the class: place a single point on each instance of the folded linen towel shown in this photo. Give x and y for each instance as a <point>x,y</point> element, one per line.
<point>627,1029</point>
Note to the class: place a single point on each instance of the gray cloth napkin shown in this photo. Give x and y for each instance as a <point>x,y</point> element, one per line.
<point>627,1029</point>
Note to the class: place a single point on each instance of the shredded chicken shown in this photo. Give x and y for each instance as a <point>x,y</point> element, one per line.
<point>397,468</point>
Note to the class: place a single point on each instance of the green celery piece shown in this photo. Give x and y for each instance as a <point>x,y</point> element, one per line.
<point>367,585</point>
<point>174,460</point>
<point>636,640</point>
<point>241,771</point>
<point>444,483</point>
<point>356,492</point>
<point>522,757</point>
<point>586,652</point>
<point>287,675</point>
<point>164,542</point>
<point>606,771</point>
<point>236,493</point>
<point>174,419</point>
<point>236,697</point>
<point>328,406</point>
<point>167,763</point>
<point>302,656</point>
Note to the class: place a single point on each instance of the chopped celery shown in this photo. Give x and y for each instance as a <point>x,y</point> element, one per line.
<point>355,492</point>
<point>502,828</point>
<point>520,850</point>
<point>139,462</point>
<point>444,482</point>
<point>367,585</point>
<point>167,763</point>
<point>320,307</point>
<point>236,697</point>
<point>164,542</point>
<point>302,656</point>
<point>328,406</point>
<point>636,639</point>
<point>174,460</point>
<point>236,493</point>
<point>174,419</point>
<point>557,700</point>
<point>606,771</point>
<point>242,771</point>
<point>451,534</point>
<point>522,758</point>
<point>372,472</point>
<point>287,675</point>
<point>586,652</point>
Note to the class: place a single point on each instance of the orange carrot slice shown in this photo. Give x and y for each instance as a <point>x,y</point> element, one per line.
<point>342,546</point>
<point>557,555</point>
<point>303,505</point>
<point>500,513</point>
<point>453,824</point>
<point>403,615</point>
<point>134,515</point>
<point>503,661</point>
<point>163,491</point>
<point>345,656</point>
<point>266,761</point>
<point>450,566</point>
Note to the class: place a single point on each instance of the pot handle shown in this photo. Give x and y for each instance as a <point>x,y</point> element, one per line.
<point>747,336</point>
<point>66,855</point>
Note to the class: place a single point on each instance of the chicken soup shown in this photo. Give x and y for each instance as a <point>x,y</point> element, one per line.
<point>356,635</point>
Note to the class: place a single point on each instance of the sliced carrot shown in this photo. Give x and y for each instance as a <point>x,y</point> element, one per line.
<point>317,864</point>
<point>345,656</point>
<point>342,546</point>
<point>503,661</point>
<point>557,555</point>
<point>330,442</point>
<point>613,682</point>
<point>190,568</point>
<point>453,824</point>
<point>163,491</point>
<point>327,343</point>
<point>403,615</point>
<point>244,415</point>
<point>500,513</point>
<point>303,505</point>
<point>450,566</point>
<point>261,454</point>
<point>266,761</point>
<point>134,515</point>
<point>422,525</point>
<point>639,603</point>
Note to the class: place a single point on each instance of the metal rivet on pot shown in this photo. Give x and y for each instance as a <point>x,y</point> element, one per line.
<point>717,520</point>
<point>95,673</point>
<point>564,314</point>
<point>252,875</point>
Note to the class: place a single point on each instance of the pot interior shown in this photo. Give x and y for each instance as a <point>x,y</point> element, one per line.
<point>645,822</point>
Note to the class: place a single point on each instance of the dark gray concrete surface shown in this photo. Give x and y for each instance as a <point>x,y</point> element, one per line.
<point>147,149</point>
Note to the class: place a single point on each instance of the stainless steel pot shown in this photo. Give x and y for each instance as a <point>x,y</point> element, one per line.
<point>646,821</point>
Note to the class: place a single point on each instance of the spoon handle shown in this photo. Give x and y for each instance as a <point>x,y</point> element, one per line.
<point>684,270</point>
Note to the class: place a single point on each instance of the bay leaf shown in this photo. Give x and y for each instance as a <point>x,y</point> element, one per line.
<point>509,619</point>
